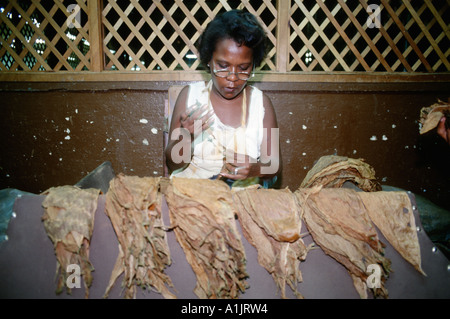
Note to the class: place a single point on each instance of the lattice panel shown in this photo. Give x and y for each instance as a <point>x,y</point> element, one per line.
<point>413,36</point>
<point>161,35</point>
<point>35,36</point>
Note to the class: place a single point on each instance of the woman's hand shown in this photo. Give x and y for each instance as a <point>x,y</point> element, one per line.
<point>190,118</point>
<point>443,131</point>
<point>240,167</point>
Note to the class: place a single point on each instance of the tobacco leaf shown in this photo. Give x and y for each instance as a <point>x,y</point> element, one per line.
<point>273,210</point>
<point>69,221</point>
<point>431,115</point>
<point>203,218</point>
<point>392,213</point>
<point>334,171</point>
<point>133,205</point>
<point>341,226</point>
<point>271,223</point>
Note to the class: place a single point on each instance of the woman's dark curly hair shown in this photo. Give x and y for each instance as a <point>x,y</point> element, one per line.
<point>238,25</point>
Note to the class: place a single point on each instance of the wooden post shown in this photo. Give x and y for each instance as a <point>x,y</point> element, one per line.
<point>283,18</point>
<point>95,35</point>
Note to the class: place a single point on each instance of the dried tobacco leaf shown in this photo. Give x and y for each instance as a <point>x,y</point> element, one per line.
<point>271,223</point>
<point>69,221</point>
<point>339,223</point>
<point>392,213</point>
<point>334,171</point>
<point>133,205</point>
<point>431,115</point>
<point>203,217</point>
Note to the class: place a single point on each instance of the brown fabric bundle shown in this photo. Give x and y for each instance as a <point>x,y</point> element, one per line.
<point>203,217</point>
<point>334,171</point>
<point>271,223</point>
<point>340,225</point>
<point>69,221</point>
<point>133,205</point>
<point>431,115</point>
<point>392,213</point>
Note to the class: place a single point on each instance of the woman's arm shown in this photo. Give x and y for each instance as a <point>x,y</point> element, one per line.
<point>185,122</point>
<point>270,148</point>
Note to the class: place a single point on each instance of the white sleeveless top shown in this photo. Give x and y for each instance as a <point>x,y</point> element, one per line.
<point>213,145</point>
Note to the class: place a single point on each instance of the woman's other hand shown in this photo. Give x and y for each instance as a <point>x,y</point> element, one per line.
<point>240,167</point>
<point>443,131</point>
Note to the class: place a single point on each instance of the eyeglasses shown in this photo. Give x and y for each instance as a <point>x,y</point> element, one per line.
<point>225,73</point>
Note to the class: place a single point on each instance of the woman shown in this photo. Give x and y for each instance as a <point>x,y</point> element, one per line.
<point>225,128</point>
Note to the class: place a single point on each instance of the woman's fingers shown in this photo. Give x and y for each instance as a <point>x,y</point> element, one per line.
<point>235,172</point>
<point>190,117</point>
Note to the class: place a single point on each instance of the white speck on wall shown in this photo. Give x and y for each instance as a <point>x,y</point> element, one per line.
<point>76,111</point>
<point>67,137</point>
<point>67,131</point>
<point>92,122</point>
<point>67,118</point>
<point>155,173</point>
<point>117,140</point>
<point>290,113</point>
<point>304,167</point>
<point>304,127</point>
<point>373,138</point>
<point>394,126</point>
<point>335,126</point>
<point>304,154</point>
<point>60,159</point>
<point>355,151</point>
<point>406,147</point>
<point>384,179</point>
<point>384,138</point>
<point>143,121</point>
<point>288,141</point>
<point>154,130</point>
<point>145,141</point>
<point>50,153</point>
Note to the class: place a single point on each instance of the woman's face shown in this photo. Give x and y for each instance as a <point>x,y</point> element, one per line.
<point>229,55</point>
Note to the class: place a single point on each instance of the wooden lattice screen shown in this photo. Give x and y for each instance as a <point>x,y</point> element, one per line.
<point>153,36</point>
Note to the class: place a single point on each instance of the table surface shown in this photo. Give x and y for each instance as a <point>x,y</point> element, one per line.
<point>28,265</point>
